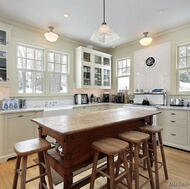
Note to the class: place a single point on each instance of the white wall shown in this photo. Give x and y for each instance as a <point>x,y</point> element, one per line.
<point>158,76</point>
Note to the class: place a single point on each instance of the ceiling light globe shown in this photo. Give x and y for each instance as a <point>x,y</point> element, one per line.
<point>146,41</point>
<point>50,36</point>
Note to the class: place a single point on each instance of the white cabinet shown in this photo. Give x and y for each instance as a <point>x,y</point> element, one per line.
<point>93,69</point>
<point>4,53</point>
<point>15,127</point>
<point>176,126</point>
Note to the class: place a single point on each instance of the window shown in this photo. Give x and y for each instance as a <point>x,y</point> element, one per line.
<point>183,67</point>
<point>34,72</point>
<point>123,74</point>
<point>30,65</point>
<point>57,72</point>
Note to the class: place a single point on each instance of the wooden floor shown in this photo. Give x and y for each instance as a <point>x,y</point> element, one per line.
<point>178,163</point>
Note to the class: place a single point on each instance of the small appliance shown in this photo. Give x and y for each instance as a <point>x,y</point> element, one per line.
<point>176,102</point>
<point>120,98</point>
<point>81,99</point>
<point>106,97</point>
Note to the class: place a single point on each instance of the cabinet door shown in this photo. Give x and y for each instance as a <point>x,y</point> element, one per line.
<point>98,76</point>
<point>3,66</point>
<point>87,75</point>
<point>107,78</point>
<point>4,52</point>
<point>17,127</point>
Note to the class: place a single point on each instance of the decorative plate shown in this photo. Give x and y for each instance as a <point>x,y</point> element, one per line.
<point>150,62</point>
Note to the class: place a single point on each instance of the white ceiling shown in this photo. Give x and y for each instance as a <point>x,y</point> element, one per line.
<point>128,18</point>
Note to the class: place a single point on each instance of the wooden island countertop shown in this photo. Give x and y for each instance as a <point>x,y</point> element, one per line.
<point>76,132</point>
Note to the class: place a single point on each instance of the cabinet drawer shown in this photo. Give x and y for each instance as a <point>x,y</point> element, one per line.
<point>175,122</point>
<point>175,135</point>
<point>174,113</point>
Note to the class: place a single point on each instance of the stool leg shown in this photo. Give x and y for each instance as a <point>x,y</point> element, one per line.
<point>48,170</point>
<point>145,146</point>
<point>155,160</point>
<point>127,170</point>
<point>136,166</point>
<point>23,174</point>
<point>111,172</point>
<point>41,169</point>
<point>131,159</point>
<point>93,176</point>
<point>17,167</point>
<point>163,156</point>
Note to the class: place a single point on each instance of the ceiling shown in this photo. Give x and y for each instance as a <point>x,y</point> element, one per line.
<point>128,18</point>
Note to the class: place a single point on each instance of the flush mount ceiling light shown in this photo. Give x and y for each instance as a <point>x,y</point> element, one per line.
<point>145,40</point>
<point>51,36</point>
<point>104,34</point>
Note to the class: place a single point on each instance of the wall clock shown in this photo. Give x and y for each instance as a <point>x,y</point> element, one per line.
<point>150,62</point>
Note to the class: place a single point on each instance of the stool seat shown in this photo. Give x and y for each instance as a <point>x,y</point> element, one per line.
<point>28,147</point>
<point>32,146</point>
<point>151,129</point>
<point>134,136</point>
<point>111,147</point>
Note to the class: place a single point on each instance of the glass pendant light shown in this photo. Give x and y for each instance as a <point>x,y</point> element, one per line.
<point>145,40</point>
<point>104,34</point>
<point>51,36</point>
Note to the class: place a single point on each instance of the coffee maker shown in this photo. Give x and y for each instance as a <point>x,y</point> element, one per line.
<point>106,97</point>
<point>120,97</point>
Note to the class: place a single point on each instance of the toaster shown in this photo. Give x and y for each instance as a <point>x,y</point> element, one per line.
<point>176,102</point>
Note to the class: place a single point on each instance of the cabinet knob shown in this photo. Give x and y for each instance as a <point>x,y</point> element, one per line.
<point>172,113</point>
<point>20,115</point>
<point>173,121</point>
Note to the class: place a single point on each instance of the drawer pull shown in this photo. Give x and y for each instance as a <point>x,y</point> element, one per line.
<point>173,134</point>
<point>173,121</point>
<point>172,113</point>
<point>20,115</point>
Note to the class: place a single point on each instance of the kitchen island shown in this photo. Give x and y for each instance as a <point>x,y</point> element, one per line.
<point>76,132</point>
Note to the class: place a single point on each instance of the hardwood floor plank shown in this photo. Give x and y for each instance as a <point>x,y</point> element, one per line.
<point>178,164</point>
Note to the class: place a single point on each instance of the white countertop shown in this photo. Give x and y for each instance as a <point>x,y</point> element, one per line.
<point>90,104</point>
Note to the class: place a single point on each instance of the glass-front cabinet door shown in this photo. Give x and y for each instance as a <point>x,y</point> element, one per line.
<point>3,37</point>
<point>87,75</point>
<point>3,66</point>
<point>98,76</point>
<point>106,78</point>
<point>4,52</point>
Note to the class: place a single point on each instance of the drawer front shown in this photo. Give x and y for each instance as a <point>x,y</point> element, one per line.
<point>174,113</point>
<point>175,135</point>
<point>175,122</point>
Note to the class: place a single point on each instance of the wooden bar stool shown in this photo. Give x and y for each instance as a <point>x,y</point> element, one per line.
<point>28,147</point>
<point>111,147</point>
<point>155,133</point>
<point>137,140</point>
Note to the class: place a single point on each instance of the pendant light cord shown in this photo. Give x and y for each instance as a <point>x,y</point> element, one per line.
<point>104,10</point>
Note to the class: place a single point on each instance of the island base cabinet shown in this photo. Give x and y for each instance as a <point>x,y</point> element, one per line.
<point>14,128</point>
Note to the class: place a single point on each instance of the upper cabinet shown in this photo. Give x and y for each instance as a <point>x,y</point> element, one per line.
<point>4,52</point>
<point>93,69</point>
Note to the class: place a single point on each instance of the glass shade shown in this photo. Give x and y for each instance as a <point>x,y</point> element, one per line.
<point>145,41</point>
<point>104,34</point>
<point>51,36</point>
